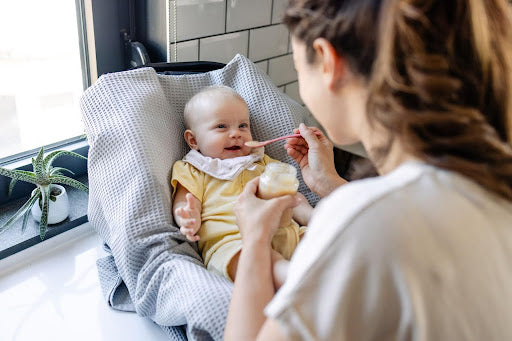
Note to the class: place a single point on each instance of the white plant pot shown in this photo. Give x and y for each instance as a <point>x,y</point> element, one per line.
<point>58,210</point>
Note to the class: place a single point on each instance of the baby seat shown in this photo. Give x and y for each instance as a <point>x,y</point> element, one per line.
<point>134,125</point>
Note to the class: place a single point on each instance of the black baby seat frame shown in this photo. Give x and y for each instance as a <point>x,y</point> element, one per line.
<point>182,68</point>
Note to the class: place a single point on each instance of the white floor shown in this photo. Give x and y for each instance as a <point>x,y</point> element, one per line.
<point>52,292</point>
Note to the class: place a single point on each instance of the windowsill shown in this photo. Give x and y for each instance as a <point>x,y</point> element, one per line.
<point>51,292</point>
<point>12,240</point>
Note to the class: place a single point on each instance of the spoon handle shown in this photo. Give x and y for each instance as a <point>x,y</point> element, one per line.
<point>282,138</point>
<point>317,133</point>
<point>256,144</point>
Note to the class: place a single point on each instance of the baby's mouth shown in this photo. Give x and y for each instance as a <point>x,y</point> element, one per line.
<point>234,148</point>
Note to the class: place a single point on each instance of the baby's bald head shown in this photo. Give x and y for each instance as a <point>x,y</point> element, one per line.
<point>206,96</point>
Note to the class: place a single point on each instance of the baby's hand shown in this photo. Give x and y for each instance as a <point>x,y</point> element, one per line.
<point>189,218</point>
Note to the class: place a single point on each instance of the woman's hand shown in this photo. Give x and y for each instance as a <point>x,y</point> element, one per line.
<point>315,157</point>
<point>258,219</point>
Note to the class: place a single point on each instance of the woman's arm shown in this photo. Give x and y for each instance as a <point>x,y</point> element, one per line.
<point>252,291</point>
<point>254,288</point>
<point>315,157</point>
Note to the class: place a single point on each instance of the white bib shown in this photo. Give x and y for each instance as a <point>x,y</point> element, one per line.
<point>227,169</point>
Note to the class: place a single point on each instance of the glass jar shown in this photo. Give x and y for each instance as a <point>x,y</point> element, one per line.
<point>279,179</point>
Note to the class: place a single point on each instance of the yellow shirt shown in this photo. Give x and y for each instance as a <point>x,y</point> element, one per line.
<point>217,199</point>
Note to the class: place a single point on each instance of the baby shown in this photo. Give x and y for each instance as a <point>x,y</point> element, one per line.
<point>207,182</point>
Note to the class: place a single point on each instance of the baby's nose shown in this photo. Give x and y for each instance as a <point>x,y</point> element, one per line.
<point>234,132</point>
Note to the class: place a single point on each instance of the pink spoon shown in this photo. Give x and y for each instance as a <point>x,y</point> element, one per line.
<point>257,144</point>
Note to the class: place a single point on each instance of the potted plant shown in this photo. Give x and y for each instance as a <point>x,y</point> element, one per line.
<point>47,195</point>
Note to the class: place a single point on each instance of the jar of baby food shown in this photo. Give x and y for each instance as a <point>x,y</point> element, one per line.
<point>279,179</point>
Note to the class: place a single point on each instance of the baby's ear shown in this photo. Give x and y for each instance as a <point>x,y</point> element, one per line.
<point>190,138</point>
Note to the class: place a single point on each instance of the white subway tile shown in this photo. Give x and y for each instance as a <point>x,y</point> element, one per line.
<point>263,65</point>
<point>223,48</point>
<point>281,70</point>
<point>187,51</point>
<point>267,42</point>
<point>243,14</point>
<point>278,11</point>
<point>292,90</point>
<point>198,18</point>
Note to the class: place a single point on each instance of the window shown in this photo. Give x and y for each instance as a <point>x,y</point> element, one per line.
<point>50,52</point>
<point>44,70</point>
<point>41,70</point>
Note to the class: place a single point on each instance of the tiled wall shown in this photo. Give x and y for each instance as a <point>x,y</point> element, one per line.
<point>216,30</point>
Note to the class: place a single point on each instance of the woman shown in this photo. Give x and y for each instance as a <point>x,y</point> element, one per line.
<point>423,251</point>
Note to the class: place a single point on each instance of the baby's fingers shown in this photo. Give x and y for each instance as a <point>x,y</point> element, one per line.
<point>189,233</point>
<point>192,238</point>
<point>182,212</point>
<point>187,227</point>
<point>188,223</point>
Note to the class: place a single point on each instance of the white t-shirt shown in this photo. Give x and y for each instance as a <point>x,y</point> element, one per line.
<point>418,254</point>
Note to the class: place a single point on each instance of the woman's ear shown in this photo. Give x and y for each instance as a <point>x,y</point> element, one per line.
<point>333,66</point>
<point>190,138</point>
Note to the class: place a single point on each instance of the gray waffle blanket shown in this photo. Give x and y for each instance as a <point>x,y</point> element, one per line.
<point>134,125</point>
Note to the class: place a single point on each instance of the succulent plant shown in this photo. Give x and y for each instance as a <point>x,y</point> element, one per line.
<point>43,176</point>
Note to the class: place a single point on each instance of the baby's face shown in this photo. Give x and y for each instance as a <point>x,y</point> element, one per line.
<point>221,127</point>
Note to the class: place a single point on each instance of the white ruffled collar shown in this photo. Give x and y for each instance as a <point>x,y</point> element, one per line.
<point>227,169</point>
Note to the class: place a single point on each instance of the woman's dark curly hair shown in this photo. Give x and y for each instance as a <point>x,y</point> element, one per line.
<point>439,74</point>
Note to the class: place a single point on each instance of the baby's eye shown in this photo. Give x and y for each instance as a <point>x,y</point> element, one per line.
<point>221,126</point>
<point>243,125</point>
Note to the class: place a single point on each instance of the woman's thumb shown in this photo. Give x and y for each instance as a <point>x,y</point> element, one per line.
<point>308,135</point>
